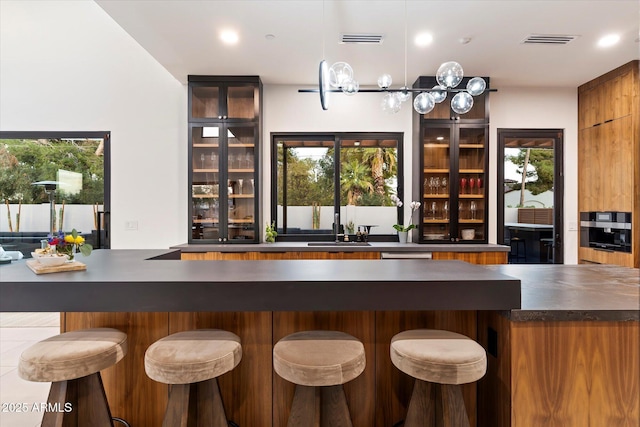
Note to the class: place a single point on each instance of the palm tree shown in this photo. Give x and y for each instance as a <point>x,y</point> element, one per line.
<point>382,162</point>
<point>355,179</point>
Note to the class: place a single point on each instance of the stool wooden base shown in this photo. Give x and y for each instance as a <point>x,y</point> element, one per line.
<point>78,402</point>
<point>193,404</point>
<point>319,407</point>
<point>439,405</point>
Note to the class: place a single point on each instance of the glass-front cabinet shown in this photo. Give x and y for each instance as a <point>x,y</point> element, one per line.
<point>451,160</point>
<point>224,135</point>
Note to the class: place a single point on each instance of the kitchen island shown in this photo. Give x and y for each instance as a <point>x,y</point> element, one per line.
<point>149,294</point>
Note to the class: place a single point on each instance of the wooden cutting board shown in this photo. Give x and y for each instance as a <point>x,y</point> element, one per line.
<point>38,268</point>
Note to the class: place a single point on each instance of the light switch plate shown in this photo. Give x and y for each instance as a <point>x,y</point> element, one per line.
<point>131,225</point>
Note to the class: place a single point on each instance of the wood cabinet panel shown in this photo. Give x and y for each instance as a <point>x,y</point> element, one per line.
<point>604,257</point>
<point>575,374</point>
<point>590,165</point>
<point>246,389</point>
<point>474,257</point>
<point>616,177</point>
<point>360,397</point>
<point>132,395</point>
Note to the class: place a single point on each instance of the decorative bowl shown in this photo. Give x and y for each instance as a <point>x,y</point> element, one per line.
<point>52,260</point>
<point>468,234</point>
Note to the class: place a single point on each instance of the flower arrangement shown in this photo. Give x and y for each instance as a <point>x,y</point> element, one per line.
<point>414,207</point>
<point>70,244</point>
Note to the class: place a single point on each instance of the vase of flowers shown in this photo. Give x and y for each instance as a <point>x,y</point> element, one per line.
<point>403,231</point>
<point>70,244</point>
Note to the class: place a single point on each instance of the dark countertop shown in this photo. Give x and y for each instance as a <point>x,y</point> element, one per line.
<point>375,247</point>
<point>124,280</point>
<point>575,292</point>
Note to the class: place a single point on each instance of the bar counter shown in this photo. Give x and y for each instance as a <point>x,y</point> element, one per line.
<point>574,326</point>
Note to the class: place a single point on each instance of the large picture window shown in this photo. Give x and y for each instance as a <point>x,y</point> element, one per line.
<point>315,176</point>
<point>75,166</point>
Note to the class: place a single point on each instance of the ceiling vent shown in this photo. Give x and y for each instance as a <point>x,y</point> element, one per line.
<point>361,38</point>
<point>548,39</point>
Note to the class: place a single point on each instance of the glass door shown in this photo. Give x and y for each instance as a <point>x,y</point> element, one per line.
<point>472,182</point>
<point>241,179</point>
<point>205,182</point>
<point>436,182</point>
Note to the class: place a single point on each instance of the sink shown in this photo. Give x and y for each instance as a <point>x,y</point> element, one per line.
<point>338,244</point>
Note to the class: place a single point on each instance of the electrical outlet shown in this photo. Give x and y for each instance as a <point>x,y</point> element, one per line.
<point>131,225</point>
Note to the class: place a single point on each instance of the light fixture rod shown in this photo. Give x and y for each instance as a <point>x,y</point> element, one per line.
<point>414,90</point>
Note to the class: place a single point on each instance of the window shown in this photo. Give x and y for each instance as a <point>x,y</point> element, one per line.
<point>317,175</point>
<point>77,162</point>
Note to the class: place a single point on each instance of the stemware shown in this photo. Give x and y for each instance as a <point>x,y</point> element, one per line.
<point>240,182</point>
<point>253,189</point>
<point>202,161</point>
<point>249,159</point>
<point>473,208</point>
<point>445,210</point>
<point>434,208</point>
<point>214,160</point>
<point>479,185</point>
<point>463,185</point>
<point>472,185</point>
<point>436,184</point>
<point>444,182</point>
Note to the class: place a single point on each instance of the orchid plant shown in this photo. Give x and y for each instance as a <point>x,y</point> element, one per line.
<point>414,207</point>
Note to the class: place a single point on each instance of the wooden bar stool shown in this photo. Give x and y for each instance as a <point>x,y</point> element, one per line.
<point>319,362</point>
<point>72,362</point>
<point>191,363</point>
<point>439,361</point>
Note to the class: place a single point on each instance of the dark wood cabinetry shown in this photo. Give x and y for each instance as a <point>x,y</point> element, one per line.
<point>609,155</point>
<point>451,160</point>
<point>224,140</point>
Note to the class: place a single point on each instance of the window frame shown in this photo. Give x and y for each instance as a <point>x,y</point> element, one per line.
<point>336,137</point>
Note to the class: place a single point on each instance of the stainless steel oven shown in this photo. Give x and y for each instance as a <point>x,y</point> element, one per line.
<point>610,231</point>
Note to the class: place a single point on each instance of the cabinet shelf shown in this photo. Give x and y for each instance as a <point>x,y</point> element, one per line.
<point>206,170</point>
<point>205,196</point>
<point>471,171</point>
<point>241,145</point>
<point>241,221</point>
<point>471,146</point>
<point>206,221</point>
<point>436,196</point>
<point>435,221</point>
<point>435,145</point>
<point>471,196</point>
<point>430,170</point>
<point>241,170</point>
<point>241,196</point>
<point>471,221</point>
<point>206,145</point>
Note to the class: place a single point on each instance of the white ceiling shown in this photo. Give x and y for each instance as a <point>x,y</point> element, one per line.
<point>183,37</point>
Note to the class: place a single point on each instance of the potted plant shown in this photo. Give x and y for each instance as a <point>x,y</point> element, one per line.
<point>402,230</point>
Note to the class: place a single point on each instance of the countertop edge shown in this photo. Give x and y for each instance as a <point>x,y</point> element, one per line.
<point>375,247</point>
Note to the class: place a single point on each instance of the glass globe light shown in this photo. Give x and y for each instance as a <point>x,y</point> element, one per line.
<point>439,95</point>
<point>339,73</point>
<point>405,95</point>
<point>449,74</point>
<point>476,86</point>
<point>384,81</point>
<point>391,103</point>
<point>350,87</point>
<point>462,103</point>
<point>424,103</point>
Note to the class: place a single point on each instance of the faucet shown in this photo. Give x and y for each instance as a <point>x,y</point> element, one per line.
<point>336,226</point>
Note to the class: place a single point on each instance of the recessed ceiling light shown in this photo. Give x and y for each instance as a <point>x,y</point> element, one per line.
<point>423,39</point>
<point>229,37</point>
<point>269,36</point>
<point>608,40</point>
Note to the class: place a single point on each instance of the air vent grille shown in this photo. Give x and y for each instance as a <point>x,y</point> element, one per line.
<point>361,38</point>
<point>548,39</point>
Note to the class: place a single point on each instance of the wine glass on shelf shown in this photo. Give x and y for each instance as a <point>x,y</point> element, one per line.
<point>434,208</point>
<point>444,182</point>
<point>472,185</point>
<point>248,158</point>
<point>473,207</point>
<point>436,184</point>
<point>239,159</point>
<point>479,185</point>
<point>445,210</point>
<point>463,185</point>
<point>240,182</point>
<point>202,161</point>
<point>214,160</point>
<point>253,188</point>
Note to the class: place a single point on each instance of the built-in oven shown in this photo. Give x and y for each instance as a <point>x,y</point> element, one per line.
<point>610,231</point>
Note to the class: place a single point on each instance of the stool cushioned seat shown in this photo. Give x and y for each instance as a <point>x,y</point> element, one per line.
<point>72,355</point>
<point>319,358</point>
<point>192,356</point>
<point>438,356</point>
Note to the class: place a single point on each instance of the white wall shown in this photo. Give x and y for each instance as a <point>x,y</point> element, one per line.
<point>540,108</point>
<point>66,66</point>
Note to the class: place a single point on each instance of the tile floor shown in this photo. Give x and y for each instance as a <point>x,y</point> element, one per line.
<point>17,332</point>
